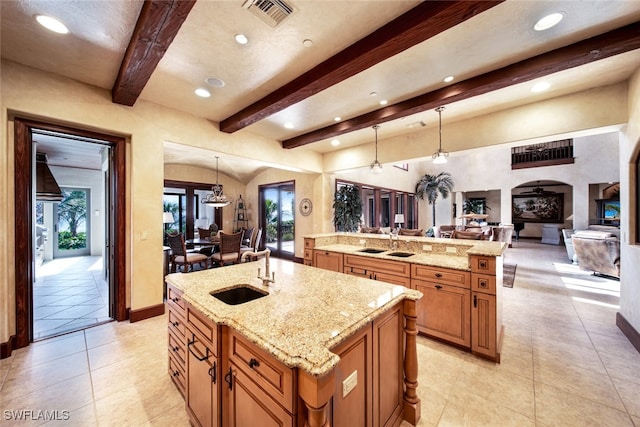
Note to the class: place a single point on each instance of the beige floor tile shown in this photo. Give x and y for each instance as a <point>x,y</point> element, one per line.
<point>556,407</point>
<point>47,350</point>
<point>636,421</point>
<point>174,416</point>
<point>559,353</point>
<point>630,395</point>
<point>625,367</point>
<point>81,417</point>
<point>618,344</point>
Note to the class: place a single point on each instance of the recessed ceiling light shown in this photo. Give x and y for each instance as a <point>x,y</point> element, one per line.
<point>307,42</point>
<point>337,118</point>
<point>52,24</point>
<point>203,93</point>
<point>335,142</point>
<point>383,102</point>
<point>214,81</point>
<point>540,87</point>
<point>289,125</point>
<point>241,38</point>
<point>548,21</point>
<point>448,79</point>
<point>373,94</point>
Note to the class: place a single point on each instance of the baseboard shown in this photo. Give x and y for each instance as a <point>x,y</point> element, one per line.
<point>7,347</point>
<point>298,260</point>
<point>146,313</point>
<point>628,330</point>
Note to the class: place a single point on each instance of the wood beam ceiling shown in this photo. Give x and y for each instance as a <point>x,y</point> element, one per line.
<point>413,27</point>
<point>157,26</point>
<point>612,43</point>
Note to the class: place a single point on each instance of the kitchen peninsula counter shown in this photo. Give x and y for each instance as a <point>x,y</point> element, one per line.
<point>303,323</point>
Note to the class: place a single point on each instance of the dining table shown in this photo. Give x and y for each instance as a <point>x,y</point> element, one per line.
<point>200,242</point>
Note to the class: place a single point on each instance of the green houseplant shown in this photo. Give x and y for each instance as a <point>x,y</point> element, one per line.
<point>430,186</point>
<point>347,208</point>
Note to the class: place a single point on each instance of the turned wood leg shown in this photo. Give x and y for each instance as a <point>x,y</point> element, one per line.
<point>316,393</point>
<point>411,400</point>
<point>316,417</point>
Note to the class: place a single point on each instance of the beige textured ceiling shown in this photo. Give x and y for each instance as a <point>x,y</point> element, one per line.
<point>204,47</point>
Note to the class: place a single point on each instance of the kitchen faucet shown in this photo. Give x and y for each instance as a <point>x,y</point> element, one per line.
<point>268,277</point>
<point>393,244</point>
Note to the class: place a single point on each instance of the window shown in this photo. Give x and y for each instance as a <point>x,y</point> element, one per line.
<point>182,199</point>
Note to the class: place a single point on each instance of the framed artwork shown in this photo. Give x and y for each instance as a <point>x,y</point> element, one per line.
<point>538,208</point>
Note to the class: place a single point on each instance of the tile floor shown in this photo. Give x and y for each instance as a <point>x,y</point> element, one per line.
<point>564,363</point>
<point>69,294</point>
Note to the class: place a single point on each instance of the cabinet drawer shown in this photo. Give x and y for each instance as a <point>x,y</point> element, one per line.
<point>483,283</point>
<point>177,373</point>
<point>308,254</point>
<point>272,376</point>
<point>441,275</point>
<point>174,297</point>
<point>397,268</point>
<point>483,264</point>
<point>309,243</point>
<point>176,324</point>
<point>177,348</point>
<point>206,329</point>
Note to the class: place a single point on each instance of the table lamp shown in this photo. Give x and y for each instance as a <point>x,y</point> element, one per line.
<point>167,218</point>
<point>399,219</point>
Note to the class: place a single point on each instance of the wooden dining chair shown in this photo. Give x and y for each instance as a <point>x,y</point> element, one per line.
<point>180,256</point>
<point>229,249</point>
<point>253,246</point>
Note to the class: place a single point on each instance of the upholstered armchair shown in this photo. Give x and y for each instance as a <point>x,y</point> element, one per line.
<point>597,251</point>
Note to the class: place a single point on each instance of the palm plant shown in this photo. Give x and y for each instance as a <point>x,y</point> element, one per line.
<point>430,186</point>
<point>347,208</point>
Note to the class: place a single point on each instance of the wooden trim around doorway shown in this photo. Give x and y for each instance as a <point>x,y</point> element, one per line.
<point>146,313</point>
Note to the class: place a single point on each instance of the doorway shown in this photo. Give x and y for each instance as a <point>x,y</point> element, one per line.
<point>28,233</point>
<point>277,218</point>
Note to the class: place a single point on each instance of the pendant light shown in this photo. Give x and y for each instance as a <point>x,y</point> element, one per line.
<point>376,167</point>
<point>216,198</point>
<point>440,156</point>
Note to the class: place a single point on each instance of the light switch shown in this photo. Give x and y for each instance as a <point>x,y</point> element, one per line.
<point>349,383</point>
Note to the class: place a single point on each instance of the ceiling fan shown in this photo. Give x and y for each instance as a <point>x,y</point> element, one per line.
<point>537,190</point>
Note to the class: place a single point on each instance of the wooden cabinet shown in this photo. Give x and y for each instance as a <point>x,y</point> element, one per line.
<point>308,251</point>
<point>328,260</point>
<point>444,310</point>
<point>486,312</point>
<point>177,344</point>
<point>396,272</point>
<point>203,370</point>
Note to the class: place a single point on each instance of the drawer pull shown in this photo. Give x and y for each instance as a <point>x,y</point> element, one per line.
<point>190,343</point>
<point>438,275</point>
<point>175,299</point>
<point>438,287</point>
<point>228,378</point>
<point>212,372</point>
<point>175,323</point>
<point>475,301</point>
<point>253,363</point>
<point>175,349</point>
<point>483,283</point>
<point>176,373</point>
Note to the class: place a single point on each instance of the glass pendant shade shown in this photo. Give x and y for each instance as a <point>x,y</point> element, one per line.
<point>376,166</point>
<point>216,198</point>
<point>440,156</point>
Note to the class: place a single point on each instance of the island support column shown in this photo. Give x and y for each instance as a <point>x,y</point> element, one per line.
<point>411,400</point>
<point>316,394</point>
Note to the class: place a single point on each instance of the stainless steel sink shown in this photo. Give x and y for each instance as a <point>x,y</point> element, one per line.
<point>238,295</point>
<point>401,254</point>
<point>372,250</point>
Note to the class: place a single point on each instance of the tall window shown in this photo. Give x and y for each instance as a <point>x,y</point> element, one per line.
<point>182,199</point>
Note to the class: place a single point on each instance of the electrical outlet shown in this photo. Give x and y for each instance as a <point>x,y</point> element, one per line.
<point>451,249</point>
<point>349,383</point>
<point>426,247</point>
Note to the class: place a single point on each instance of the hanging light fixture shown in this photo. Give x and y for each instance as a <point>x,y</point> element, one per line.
<point>216,198</point>
<point>440,156</point>
<point>376,167</point>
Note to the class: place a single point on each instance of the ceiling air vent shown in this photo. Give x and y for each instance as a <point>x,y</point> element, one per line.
<point>272,12</point>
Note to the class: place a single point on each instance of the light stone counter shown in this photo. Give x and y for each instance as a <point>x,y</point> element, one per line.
<point>445,253</point>
<point>308,310</point>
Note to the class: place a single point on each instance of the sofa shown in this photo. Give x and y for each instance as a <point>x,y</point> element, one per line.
<point>597,251</point>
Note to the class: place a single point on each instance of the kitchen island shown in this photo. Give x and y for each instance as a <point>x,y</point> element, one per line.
<point>461,280</point>
<point>315,347</point>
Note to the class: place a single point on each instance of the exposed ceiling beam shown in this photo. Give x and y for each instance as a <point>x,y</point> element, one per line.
<point>157,26</point>
<point>422,22</point>
<point>612,43</point>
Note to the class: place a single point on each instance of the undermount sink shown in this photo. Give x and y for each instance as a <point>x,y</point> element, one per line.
<point>372,250</point>
<point>401,254</point>
<point>238,295</point>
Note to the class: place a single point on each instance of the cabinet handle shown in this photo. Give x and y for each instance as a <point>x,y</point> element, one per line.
<point>175,323</point>
<point>475,301</point>
<point>190,343</point>
<point>438,287</point>
<point>483,283</point>
<point>212,372</point>
<point>438,275</point>
<point>228,378</point>
<point>175,349</point>
<point>176,299</point>
<point>253,363</point>
<point>176,373</point>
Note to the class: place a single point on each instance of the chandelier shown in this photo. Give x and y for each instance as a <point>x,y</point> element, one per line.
<point>216,198</point>
<point>440,156</point>
<point>376,167</point>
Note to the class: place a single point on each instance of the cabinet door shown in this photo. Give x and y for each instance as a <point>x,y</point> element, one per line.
<point>328,260</point>
<point>248,405</point>
<point>390,278</point>
<point>443,312</point>
<point>202,385</point>
<point>483,324</point>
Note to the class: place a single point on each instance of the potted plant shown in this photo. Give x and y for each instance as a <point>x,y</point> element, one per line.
<point>347,208</point>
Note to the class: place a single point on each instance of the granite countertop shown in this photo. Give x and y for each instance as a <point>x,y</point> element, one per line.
<point>307,313</point>
<point>445,253</point>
